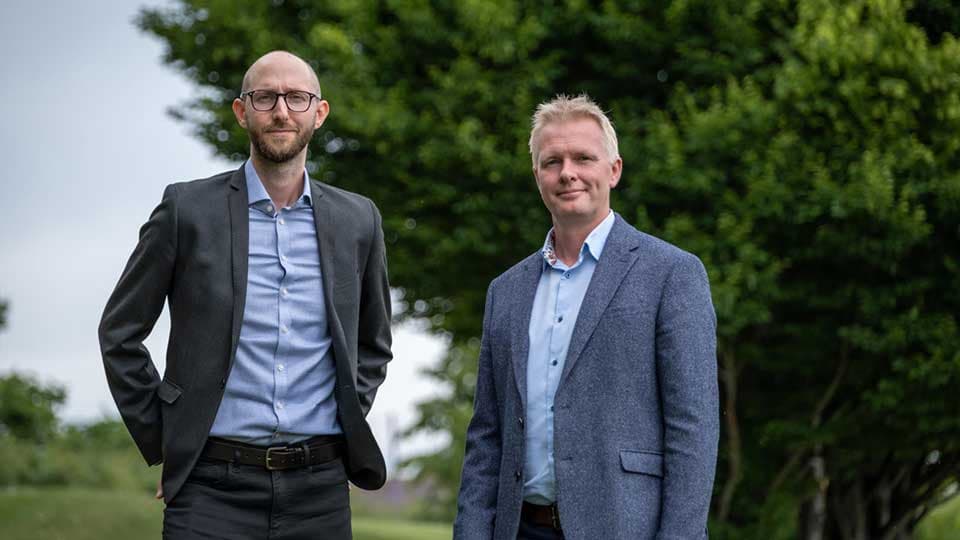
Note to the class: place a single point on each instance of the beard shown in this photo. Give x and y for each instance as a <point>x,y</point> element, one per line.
<point>280,152</point>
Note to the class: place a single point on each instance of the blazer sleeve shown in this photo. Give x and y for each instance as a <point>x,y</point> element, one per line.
<point>128,319</point>
<point>480,478</point>
<point>687,372</point>
<point>374,337</point>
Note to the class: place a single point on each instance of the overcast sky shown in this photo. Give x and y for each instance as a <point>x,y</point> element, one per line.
<point>88,149</point>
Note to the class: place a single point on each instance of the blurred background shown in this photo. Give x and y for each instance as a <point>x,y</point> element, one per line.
<point>807,151</point>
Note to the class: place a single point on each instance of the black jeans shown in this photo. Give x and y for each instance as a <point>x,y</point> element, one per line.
<point>228,501</point>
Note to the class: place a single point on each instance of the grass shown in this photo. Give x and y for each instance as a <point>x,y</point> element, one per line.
<point>75,513</point>
<point>88,514</point>
<point>943,523</point>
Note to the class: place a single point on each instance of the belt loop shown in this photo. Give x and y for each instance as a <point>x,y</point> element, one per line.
<point>306,453</point>
<point>555,516</point>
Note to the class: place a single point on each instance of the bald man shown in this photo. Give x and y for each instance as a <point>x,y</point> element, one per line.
<point>279,335</point>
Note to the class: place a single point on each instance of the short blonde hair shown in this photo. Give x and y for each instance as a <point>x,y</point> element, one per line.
<point>562,108</point>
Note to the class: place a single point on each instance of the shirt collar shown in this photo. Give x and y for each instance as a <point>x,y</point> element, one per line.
<point>593,244</point>
<point>256,193</point>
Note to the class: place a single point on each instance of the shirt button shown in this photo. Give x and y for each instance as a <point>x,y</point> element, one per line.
<point>282,221</point>
<point>566,275</point>
<point>554,362</point>
<point>284,329</point>
<point>280,405</point>
<point>551,408</point>
<point>280,367</point>
<point>560,318</point>
<point>284,291</point>
<point>270,208</point>
<point>283,258</point>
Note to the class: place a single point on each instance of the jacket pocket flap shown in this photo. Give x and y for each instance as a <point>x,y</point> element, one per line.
<point>642,462</point>
<point>168,392</point>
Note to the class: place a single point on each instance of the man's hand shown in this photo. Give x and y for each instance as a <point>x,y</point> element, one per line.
<point>159,494</point>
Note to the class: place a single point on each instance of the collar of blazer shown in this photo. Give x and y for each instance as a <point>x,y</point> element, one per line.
<point>619,255</point>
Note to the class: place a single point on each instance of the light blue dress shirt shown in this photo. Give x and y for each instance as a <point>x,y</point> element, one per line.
<point>281,386</point>
<point>555,309</point>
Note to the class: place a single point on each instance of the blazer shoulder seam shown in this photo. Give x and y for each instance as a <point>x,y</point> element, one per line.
<point>174,190</point>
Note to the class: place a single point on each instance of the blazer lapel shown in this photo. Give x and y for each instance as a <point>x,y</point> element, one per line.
<point>325,223</point>
<point>524,289</point>
<point>619,255</point>
<point>326,240</point>
<point>238,203</point>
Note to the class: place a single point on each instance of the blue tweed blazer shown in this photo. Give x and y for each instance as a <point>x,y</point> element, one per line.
<point>636,423</point>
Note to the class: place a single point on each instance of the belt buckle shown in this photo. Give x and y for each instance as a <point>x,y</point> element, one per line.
<point>267,459</point>
<point>555,516</point>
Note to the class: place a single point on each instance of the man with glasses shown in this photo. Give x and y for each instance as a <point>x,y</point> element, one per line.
<point>279,339</point>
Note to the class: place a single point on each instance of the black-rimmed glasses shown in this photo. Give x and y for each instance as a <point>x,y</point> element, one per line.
<point>266,100</point>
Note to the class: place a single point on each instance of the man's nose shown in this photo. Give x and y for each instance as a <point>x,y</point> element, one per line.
<point>567,172</point>
<point>280,110</point>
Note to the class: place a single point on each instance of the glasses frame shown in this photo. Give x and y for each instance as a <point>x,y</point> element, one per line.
<point>276,99</point>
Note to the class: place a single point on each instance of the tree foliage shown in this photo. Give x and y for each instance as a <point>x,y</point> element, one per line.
<point>805,150</point>
<point>28,409</point>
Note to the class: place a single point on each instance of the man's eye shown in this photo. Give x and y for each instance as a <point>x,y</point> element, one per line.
<point>297,98</point>
<point>264,98</point>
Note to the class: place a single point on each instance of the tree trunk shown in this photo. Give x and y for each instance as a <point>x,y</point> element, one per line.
<point>729,373</point>
<point>816,518</point>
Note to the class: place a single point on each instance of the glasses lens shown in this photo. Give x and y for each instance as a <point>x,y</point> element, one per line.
<point>263,100</point>
<point>298,101</point>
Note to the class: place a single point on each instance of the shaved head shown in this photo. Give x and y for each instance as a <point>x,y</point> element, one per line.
<point>275,58</point>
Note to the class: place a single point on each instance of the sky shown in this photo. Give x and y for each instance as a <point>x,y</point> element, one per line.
<point>88,148</point>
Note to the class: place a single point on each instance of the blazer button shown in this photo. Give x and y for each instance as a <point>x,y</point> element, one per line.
<point>518,475</point>
<point>520,420</point>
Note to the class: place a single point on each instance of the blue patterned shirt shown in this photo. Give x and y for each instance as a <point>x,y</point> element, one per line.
<point>281,386</point>
<point>555,309</point>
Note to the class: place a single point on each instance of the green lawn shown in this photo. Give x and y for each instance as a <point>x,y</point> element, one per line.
<point>89,514</point>
<point>92,514</point>
<point>943,523</point>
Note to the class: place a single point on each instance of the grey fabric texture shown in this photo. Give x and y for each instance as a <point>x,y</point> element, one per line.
<point>636,423</point>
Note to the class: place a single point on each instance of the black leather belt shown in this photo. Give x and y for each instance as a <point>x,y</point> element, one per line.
<point>540,515</point>
<point>313,451</point>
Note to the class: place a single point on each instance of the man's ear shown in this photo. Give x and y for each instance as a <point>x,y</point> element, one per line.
<point>616,169</point>
<point>323,110</point>
<point>240,112</point>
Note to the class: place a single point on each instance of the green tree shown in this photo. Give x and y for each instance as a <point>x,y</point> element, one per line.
<point>805,150</point>
<point>827,197</point>
<point>28,408</point>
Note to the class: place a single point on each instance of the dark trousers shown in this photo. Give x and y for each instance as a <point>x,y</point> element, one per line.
<point>531,531</point>
<point>222,500</point>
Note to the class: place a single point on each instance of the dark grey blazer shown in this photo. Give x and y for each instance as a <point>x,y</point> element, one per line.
<point>636,420</point>
<point>193,254</point>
